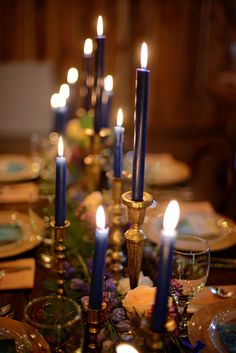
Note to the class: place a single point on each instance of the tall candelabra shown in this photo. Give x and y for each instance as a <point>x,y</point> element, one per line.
<point>134,235</point>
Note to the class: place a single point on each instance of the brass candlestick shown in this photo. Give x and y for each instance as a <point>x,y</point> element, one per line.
<point>157,341</point>
<point>60,255</point>
<point>135,235</point>
<point>94,322</point>
<point>118,220</point>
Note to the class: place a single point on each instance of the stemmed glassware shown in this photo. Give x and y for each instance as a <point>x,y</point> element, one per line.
<point>190,271</point>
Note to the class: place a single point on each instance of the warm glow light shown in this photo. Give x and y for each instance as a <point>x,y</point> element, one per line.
<point>72,75</point>
<point>100,217</point>
<point>108,83</point>
<point>144,55</point>
<point>64,90</point>
<point>100,26</point>
<point>119,121</point>
<point>171,216</point>
<point>88,46</point>
<point>60,147</point>
<point>125,348</point>
<point>57,101</point>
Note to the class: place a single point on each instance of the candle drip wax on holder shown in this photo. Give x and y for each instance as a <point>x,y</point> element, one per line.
<point>60,255</point>
<point>94,324</point>
<point>156,341</point>
<point>134,235</point>
<point>118,217</point>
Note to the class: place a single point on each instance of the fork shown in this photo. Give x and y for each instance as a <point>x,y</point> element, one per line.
<point>5,311</point>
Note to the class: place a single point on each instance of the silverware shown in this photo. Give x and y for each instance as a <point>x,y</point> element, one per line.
<point>221,292</point>
<point>219,262</point>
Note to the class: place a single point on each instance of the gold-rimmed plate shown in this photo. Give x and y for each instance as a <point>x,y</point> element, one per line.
<point>25,337</point>
<point>202,322</point>
<point>17,167</point>
<point>20,232</point>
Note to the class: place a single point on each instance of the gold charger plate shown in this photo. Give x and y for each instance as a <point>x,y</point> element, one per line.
<point>27,339</point>
<point>199,324</point>
<point>32,228</point>
<point>17,167</point>
<point>222,237</point>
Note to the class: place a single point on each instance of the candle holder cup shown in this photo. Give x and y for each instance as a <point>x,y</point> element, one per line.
<point>118,220</point>
<point>94,324</point>
<point>60,254</point>
<point>157,341</point>
<point>134,235</point>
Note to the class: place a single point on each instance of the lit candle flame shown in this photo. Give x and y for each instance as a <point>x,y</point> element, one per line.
<point>64,91</point>
<point>108,83</point>
<point>125,348</point>
<point>60,147</point>
<point>100,217</point>
<point>57,101</point>
<point>88,46</point>
<point>171,216</point>
<point>100,26</point>
<point>144,55</point>
<point>119,120</point>
<point>72,75</point>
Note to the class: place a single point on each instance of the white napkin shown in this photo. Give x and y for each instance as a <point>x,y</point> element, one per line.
<point>18,280</point>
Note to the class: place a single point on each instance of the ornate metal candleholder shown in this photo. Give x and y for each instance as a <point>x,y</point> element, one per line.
<point>60,255</point>
<point>96,160</point>
<point>94,322</point>
<point>118,220</point>
<point>135,235</point>
<point>157,341</point>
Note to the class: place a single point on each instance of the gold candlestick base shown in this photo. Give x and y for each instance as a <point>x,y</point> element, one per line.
<point>118,219</point>
<point>94,322</point>
<point>60,255</point>
<point>157,341</point>
<point>135,236</point>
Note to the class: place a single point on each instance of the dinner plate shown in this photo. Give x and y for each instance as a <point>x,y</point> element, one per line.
<point>19,232</point>
<point>218,230</point>
<point>27,339</point>
<point>202,322</point>
<point>161,169</point>
<point>17,167</point>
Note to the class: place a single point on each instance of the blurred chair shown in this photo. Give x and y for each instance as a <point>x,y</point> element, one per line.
<point>25,91</point>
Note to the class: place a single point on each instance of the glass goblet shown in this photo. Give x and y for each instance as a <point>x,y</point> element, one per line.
<point>58,319</point>
<point>190,271</point>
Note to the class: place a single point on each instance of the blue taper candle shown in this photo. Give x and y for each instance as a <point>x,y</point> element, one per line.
<point>140,121</point>
<point>107,100</point>
<point>99,74</point>
<point>168,236</point>
<point>101,241</point>
<point>60,202</point>
<point>118,145</point>
<point>60,110</point>
<point>72,79</point>
<point>87,75</point>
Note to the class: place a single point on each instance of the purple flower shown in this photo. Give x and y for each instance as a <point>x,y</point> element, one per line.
<point>118,314</point>
<point>69,270</point>
<point>123,326</point>
<point>78,284</point>
<point>109,285</point>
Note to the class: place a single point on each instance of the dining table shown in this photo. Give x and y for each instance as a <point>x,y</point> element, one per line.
<point>221,274</point>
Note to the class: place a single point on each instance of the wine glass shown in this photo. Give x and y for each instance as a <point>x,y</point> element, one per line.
<point>190,271</point>
<point>58,319</point>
